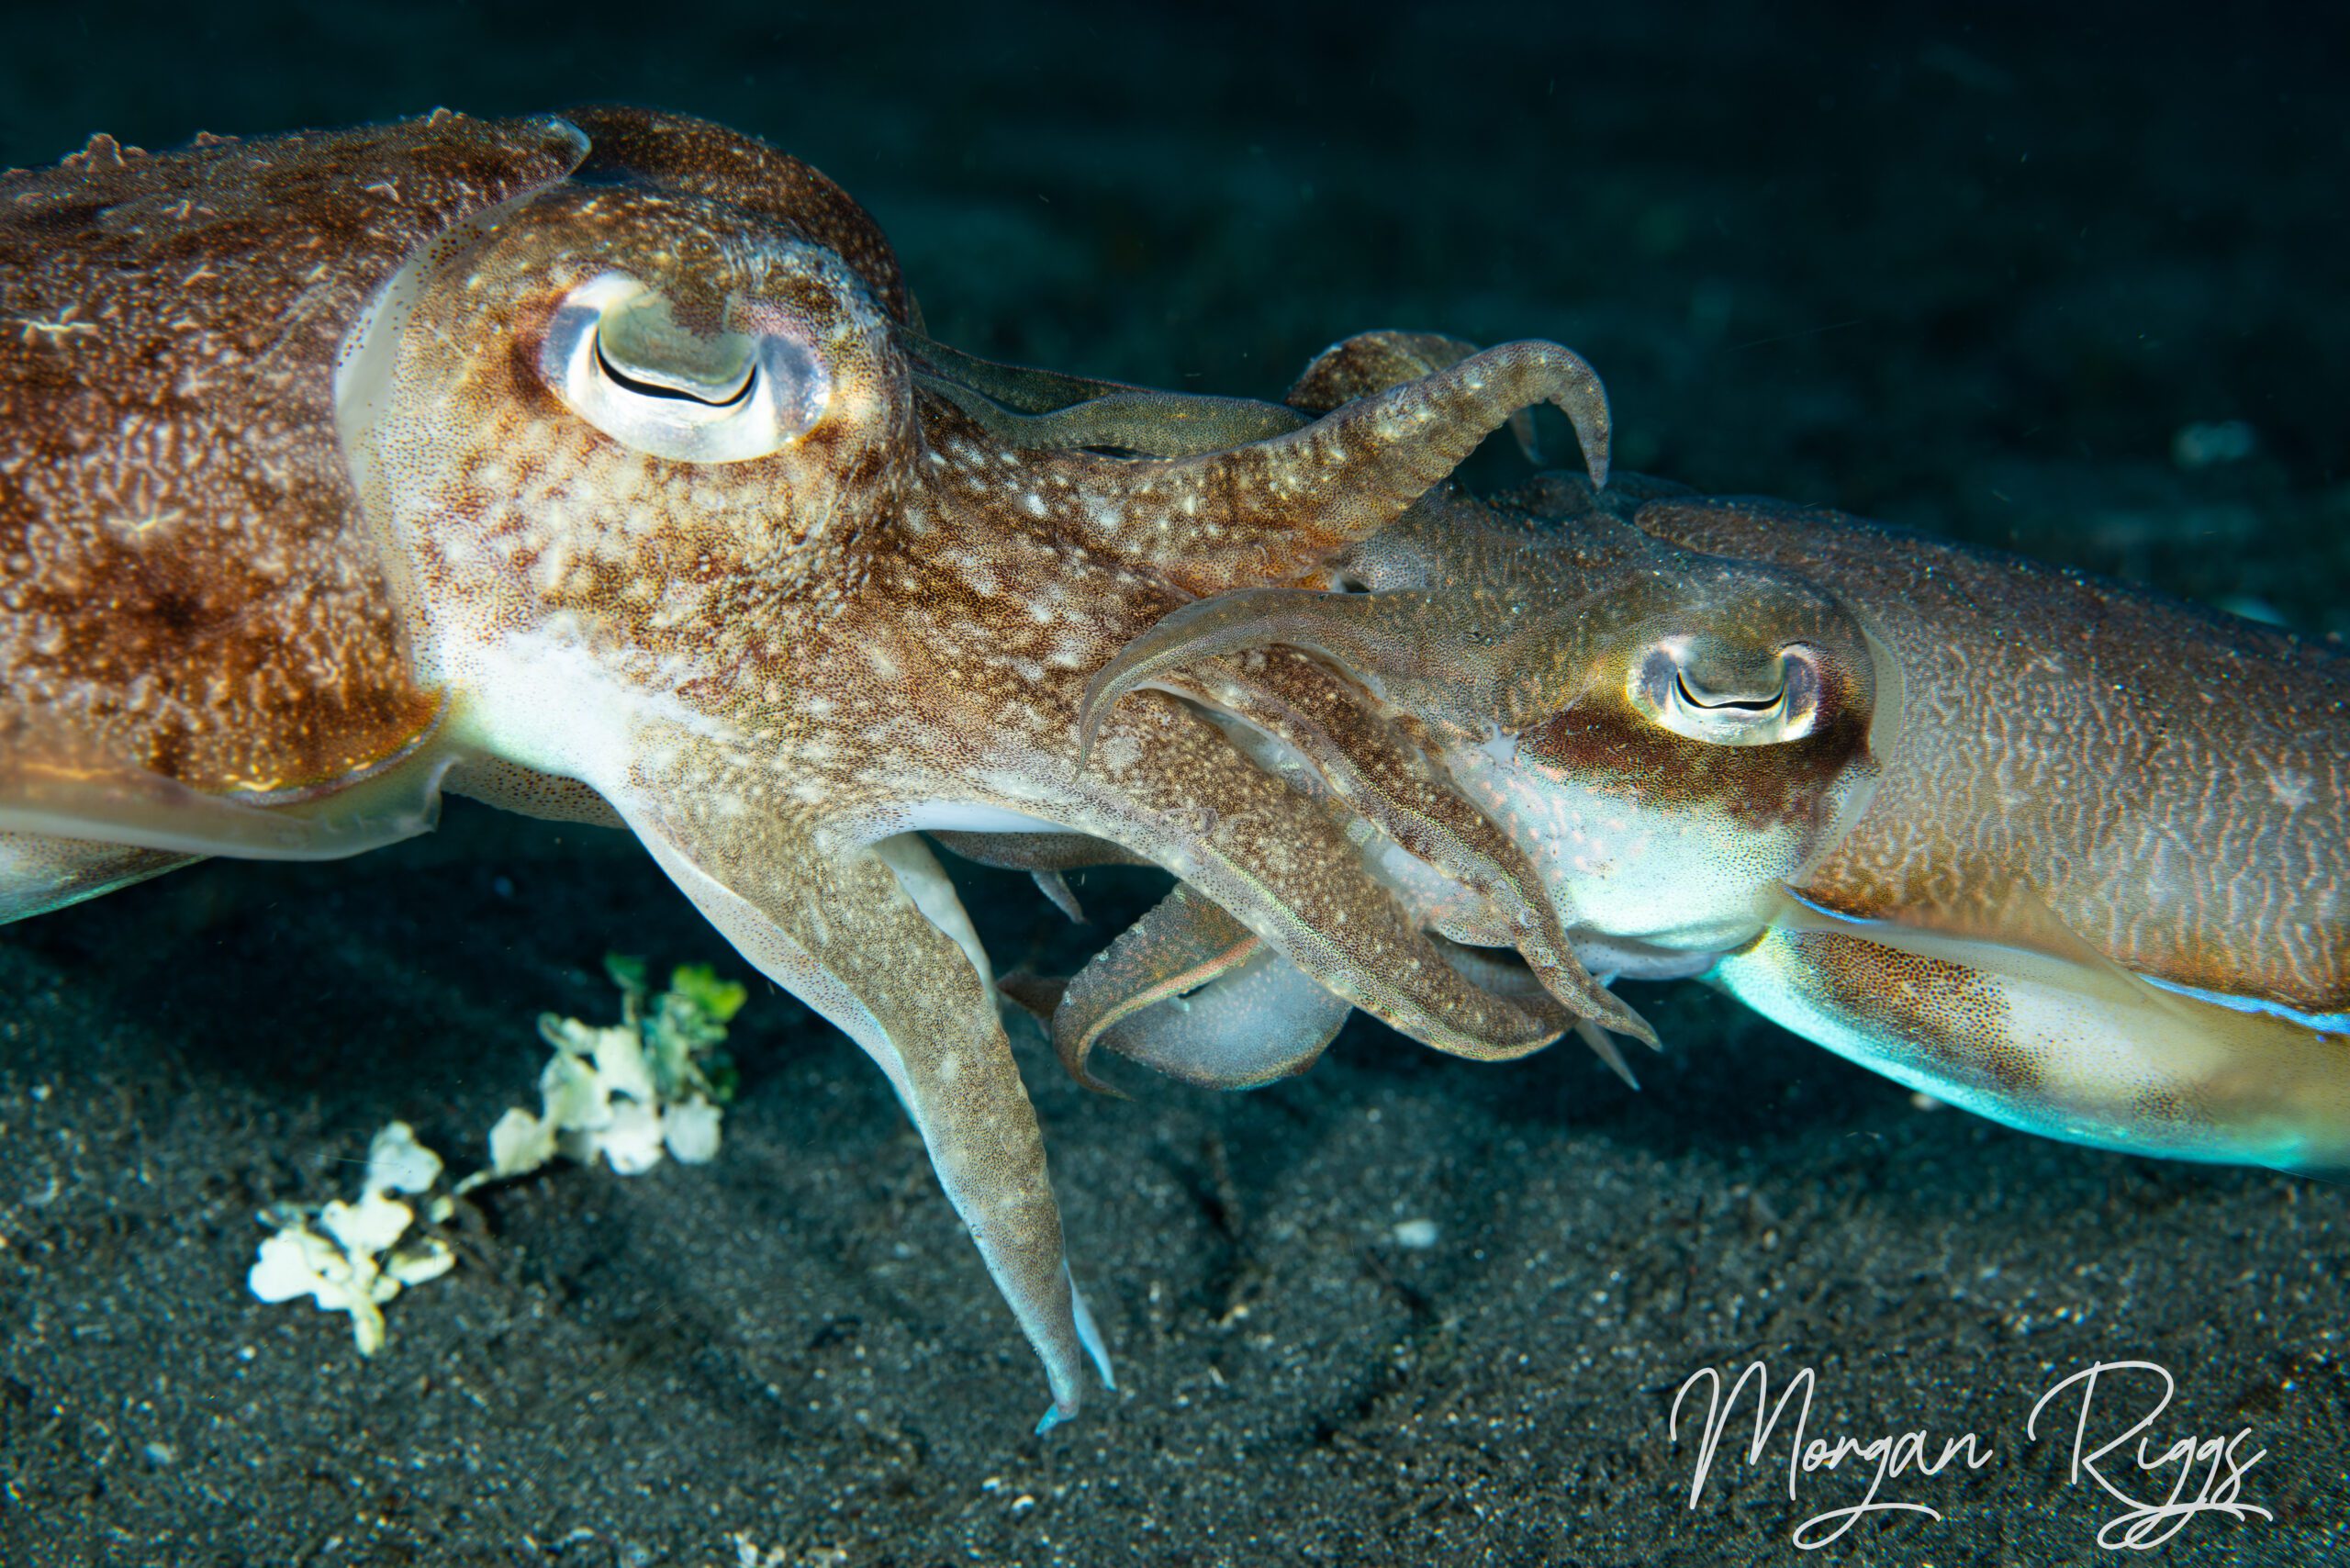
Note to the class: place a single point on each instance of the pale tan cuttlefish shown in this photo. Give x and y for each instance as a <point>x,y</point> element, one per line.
<point>597,466</point>
<point>2065,853</point>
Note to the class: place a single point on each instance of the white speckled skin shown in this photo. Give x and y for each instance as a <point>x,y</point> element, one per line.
<point>2063,852</point>
<point>296,529</point>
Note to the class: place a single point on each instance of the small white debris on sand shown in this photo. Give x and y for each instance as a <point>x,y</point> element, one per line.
<point>645,1088</point>
<point>397,1163</point>
<point>356,1265</point>
<point>632,1093</point>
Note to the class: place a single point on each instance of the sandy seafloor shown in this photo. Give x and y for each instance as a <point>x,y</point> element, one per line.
<point>1972,278</point>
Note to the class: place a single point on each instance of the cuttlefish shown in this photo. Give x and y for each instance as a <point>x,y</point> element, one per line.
<point>596,467</point>
<point>2064,853</point>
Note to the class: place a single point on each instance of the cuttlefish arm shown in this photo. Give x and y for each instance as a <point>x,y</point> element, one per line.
<point>1032,411</point>
<point>1367,634</point>
<point>1270,511</point>
<point>873,938</point>
<point>1168,782</point>
<point>1375,770</point>
<point>1139,421</point>
<point>1191,992</point>
<point>1302,707</point>
<point>1371,362</point>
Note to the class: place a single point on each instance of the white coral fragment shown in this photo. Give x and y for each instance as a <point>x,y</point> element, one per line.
<point>397,1163</point>
<point>519,1143</point>
<point>690,1131</point>
<point>368,1226</point>
<point>629,1138</point>
<point>357,1265</point>
<point>632,1093</point>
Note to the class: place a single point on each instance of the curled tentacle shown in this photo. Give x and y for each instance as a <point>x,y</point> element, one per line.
<point>1267,511</point>
<point>1365,634</point>
<point>1369,363</point>
<point>1191,993</point>
<point>1261,1022</point>
<point>1185,942</point>
<point>1376,771</point>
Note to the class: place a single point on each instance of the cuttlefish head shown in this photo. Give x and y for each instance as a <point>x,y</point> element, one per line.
<point>1671,737</point>
<point>1673,754</point>
<point>670,380</point>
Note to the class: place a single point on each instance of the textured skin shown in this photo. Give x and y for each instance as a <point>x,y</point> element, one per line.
<point>186,583</point>
<point>2063,853</point>
<point>1506,634</point>
<point>771,668</point>
<point>2174,783</point>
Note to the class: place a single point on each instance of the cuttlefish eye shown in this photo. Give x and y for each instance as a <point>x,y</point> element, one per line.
<point>617,356</point>
<point>1728,696</point>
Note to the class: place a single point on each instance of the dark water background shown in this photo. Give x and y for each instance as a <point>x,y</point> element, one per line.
<point>1970,269</point>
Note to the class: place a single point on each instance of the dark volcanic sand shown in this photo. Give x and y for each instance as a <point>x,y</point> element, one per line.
<point>1970,279</point>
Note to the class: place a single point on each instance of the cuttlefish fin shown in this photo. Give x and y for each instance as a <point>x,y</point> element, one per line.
<point>1289,867</point>
<point>1995,1005</point>
<point>53,786</point>
<point>1371,362</point>
<point>1270,510</point>
<point>39,873</point>
<point>2004,913</point>
<point>1401,789</point>
<point>874,938</point>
